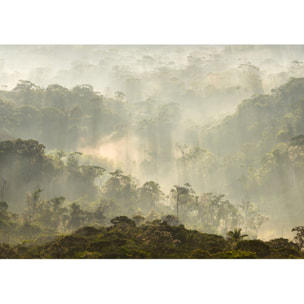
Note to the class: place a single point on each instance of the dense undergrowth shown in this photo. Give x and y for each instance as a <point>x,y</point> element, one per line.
<point>155,240</point>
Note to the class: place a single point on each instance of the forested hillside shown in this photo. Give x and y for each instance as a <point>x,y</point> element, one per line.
<point>259,150</point>
<point>160,149</point>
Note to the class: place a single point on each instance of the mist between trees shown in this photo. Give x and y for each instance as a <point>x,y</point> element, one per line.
<point>207,137</point>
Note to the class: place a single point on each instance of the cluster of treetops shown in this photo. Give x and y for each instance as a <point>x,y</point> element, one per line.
<point>93,197</point>
<point>255,153</point>
<point>88,228</point>
<point>160,239</point>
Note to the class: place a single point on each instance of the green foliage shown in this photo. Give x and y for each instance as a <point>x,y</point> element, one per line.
<point>236,254</point>
<point>122,221</point>
<point>150,194</point>
<point>171,220</point>
<point>299,238</point>
<point>182,194</point>
<point>282,243</point>
<point>138,219</point>
<point>236,235</point>
<point>122,189</point>
<point>124,240</point>
<point>199,254</point>
<point>261,249</point>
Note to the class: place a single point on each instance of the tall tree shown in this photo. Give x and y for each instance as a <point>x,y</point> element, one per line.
<point>182,194</point>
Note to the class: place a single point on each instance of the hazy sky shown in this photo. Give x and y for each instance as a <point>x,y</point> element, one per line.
<point>99,65</point>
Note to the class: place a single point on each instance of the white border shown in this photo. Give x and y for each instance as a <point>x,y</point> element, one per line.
<point>153,22</point>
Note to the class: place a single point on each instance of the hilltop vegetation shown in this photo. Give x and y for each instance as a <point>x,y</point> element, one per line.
<point>156,240</point>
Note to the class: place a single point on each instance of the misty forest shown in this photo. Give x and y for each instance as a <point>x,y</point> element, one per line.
<point>151,151</point>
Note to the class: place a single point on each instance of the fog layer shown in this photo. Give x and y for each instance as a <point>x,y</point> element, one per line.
<point>225,119</point>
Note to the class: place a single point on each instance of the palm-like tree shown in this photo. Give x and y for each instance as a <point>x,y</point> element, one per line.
<point>236,235</point>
